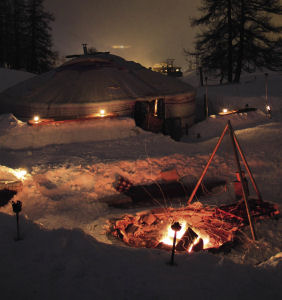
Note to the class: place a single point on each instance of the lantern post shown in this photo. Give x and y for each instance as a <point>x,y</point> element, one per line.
<point>267,106</point>
<point>17,207</point>
<point>175,227</point>
<point>206,98</point>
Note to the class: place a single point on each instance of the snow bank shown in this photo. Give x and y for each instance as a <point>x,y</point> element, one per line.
<point>68,264</point>
<point>9,77</point>
<point>214,125</point>
<point>18,135</point>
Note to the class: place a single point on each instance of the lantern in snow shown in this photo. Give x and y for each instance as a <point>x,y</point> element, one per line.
<point>17,207</point>
<point>36,119</point>
<point>102,113</point>
<point>175,227</point>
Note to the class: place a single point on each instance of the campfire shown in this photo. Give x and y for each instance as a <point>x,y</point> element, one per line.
<point>201,228</point>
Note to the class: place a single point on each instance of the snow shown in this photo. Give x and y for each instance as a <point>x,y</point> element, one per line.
<point>8,77</point>
<point>20,135</point>
<point>65,253</point>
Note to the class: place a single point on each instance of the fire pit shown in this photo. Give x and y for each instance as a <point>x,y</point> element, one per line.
<point>202,227</point>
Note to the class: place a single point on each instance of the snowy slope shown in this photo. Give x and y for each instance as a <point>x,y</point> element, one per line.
<point>65,253</point>
<point>9,77</point>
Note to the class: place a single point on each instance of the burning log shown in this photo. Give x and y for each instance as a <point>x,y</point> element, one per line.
<point>198,246</point>
<point>187,240</point>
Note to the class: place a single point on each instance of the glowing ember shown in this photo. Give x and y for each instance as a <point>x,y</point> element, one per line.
<point>20,174</point>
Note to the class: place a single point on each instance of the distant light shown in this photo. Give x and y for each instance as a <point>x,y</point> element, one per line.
<point>225,110</point>
<point>36,119</point>
<point>121,46</point>
<point>268,108</point>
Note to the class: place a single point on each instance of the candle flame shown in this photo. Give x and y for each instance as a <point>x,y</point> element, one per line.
<point>36,119</point>
<point>102,112</point>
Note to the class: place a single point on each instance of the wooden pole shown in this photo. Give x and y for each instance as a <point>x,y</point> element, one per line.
<point>173,249</point>
<point>206,168</point>
<point>247,167</point>
<point>18,227</point>
<point>206,99</point>
<point>245,197</point>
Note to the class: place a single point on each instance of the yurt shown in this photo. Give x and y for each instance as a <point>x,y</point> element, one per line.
<point>87,84</point>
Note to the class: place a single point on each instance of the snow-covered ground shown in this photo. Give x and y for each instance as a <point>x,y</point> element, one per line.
<point>10,77</point>
<point>65,253</point>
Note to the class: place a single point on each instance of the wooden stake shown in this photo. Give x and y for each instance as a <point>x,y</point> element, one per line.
<point>207,166</point>
<point>247,167</point>
<point>244,189</point>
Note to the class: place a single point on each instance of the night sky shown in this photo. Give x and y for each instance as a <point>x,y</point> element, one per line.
<point>153,30</point>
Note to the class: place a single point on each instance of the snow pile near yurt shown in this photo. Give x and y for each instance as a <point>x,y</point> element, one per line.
<point>9,77</point>
<point>20,135</point>
<point>214,125</point>
<point>251,91</point>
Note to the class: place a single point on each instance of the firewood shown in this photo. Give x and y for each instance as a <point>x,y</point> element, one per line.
<point>199,246</point>
<point>187,240</point>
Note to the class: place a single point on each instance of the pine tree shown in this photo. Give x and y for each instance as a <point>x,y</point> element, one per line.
<point>5,30</point>
<point>39,54</point>
<point>16,47</point>
<point>214,43</point>
<point>258,43</point>
<point>239,35</point>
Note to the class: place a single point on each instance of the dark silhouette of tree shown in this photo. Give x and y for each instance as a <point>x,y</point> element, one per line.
<point>258,43</point>
<point>238,35</point>
<point>25,36</point>
<point>16,47</point>
<point>5,31</point>
<point>92,50</point>
<point>214,43</point>
<point>39,54</point>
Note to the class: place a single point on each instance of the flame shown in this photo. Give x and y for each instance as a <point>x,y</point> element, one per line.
<point>36,119</point>
<point>204,237</point>
<point>20,174</point>
<point>169,235</point>
<point>102,113</point>
<point>194,243</point>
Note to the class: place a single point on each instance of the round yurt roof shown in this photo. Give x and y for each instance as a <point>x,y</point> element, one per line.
<point>97,78</point>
